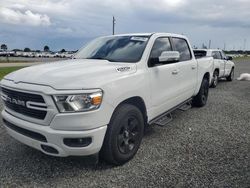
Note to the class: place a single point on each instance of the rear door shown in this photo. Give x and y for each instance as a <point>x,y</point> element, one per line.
<point>163,78</point>
<point>187,69</point>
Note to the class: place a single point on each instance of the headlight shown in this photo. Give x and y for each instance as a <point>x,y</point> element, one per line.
<point>78,102</point>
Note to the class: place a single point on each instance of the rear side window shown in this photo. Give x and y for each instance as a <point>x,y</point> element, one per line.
<point>182,47</point>
<point>161,44</point>
<point>200,53</point>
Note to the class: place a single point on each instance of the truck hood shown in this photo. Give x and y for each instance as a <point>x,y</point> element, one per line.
<point>73,74</point>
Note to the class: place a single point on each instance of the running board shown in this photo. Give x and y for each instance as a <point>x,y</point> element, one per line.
<point>164,120</point>
<point>166,117</point>
<point>186,106</point>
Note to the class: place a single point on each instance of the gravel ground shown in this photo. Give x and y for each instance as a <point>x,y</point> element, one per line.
<point>206,147</point>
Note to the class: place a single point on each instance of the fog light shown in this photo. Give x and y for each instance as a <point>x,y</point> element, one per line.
<point>77,142</point>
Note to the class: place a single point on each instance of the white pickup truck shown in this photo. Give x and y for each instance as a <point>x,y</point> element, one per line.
<point>223,67</point>
<point>101,100</point>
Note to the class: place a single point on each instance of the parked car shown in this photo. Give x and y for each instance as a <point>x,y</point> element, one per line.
<point>223,66</point>
<point>102,99</point>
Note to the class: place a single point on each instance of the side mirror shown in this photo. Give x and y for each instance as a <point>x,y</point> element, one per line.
<point>229,58</point>
<point>169,56</point>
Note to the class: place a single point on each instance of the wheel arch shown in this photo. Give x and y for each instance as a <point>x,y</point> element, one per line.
<point>138,102</point>
<point>202,76</point>
<point>217,69</point>
<point>207,76</point>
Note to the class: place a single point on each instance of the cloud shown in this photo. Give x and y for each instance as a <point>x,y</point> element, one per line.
<point>27,17</point>
<point>54,7</point>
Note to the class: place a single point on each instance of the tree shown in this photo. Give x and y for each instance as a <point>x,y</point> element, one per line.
<point>16,50</point>
<point>4,47</point>
<point>63,50</point>
<point>46,48</point>
<point>26,50</point>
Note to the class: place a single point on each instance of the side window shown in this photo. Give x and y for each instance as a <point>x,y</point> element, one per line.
<point>161,44</point>
<point>219,55</point>
<point>223,55</point>
<point>182,47</point>
<point>216,55</point>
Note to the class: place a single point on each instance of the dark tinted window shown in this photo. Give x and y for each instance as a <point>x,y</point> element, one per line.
<point>216,55</point>
<point>182,47</point>
<point>115,48</point>
<point>160,45</point>
<point>200,53</point>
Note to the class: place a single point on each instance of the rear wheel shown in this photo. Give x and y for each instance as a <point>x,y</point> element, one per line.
<point>215,79</point>
<point>231,75</point>
<point>123,136</point>
<point>200,99</point>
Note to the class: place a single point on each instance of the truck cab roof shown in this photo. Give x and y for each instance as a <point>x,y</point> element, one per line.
<point>150,34</point>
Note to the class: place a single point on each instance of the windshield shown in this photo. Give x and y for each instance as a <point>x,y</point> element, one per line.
<point>115,49</point>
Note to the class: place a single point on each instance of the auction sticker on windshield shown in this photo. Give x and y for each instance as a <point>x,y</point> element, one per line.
<point>142,39</point>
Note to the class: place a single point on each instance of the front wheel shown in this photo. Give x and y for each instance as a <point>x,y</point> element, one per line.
<point>200,99</point>
<point>231,75</point>
<point>123,136</point>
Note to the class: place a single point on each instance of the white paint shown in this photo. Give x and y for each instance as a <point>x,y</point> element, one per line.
<point>157,86</point>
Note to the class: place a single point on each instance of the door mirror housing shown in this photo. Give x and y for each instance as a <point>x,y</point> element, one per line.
<point>169,57</point>
<point>229,58</point>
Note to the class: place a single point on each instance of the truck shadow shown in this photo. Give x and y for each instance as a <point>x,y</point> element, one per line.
<point>20,163</point>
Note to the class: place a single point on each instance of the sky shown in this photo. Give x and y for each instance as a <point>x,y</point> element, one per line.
<point>70,24</point>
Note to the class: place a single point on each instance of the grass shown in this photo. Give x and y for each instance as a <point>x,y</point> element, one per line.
<point>6,70</point>
<point>12,61</point>
<point>243,58</point>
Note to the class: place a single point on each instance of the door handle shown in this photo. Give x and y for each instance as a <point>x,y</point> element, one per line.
<point>175,72</point>
<point>193,67</point>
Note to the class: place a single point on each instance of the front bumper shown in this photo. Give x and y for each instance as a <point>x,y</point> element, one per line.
<point>54,138</point>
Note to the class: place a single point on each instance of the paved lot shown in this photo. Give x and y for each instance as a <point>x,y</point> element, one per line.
<point>30,59</point>
<point>206,147</point>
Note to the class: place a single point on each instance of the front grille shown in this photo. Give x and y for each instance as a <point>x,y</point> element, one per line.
<point>25,132</point>
<point>24,97</point>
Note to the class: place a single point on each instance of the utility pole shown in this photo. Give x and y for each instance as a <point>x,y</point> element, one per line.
<point>114,25</point>
<point>224,46</point>
<point>209,46</point>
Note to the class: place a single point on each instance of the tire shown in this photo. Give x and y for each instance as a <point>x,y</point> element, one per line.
<point>124,135</point>
<point>231,76</point>
<point>215,79</point>
<point>200,99</point>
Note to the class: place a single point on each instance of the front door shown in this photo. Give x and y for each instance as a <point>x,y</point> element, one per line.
<point>227,65</point>
<point>220,61</point>
<point>162,78</point>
